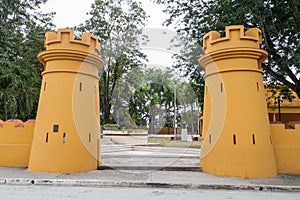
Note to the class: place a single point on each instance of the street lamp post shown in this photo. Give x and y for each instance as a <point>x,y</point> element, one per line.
<point>279,113</point>
<point>175,132</point>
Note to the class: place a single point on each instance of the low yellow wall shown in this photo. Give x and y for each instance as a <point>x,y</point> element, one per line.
<point>286,142</point>
<point>15,142</point>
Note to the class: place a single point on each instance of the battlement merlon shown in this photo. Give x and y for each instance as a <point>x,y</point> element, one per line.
<point>235,38</point>
<point>64,39</point>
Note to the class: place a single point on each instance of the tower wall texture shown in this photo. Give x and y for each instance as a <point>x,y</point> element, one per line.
<point>66,134</point>
<point>237,137</point>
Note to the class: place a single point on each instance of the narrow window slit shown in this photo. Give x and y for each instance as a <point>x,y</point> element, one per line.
<point>257,86</point>
<point>64,138</point>
<point>253,138</point>
<point>45,86</point>
<point>80,86</point>
<point>47,137</point>
<point>209,138</point>
<point>234,139</point>
<point>90,137</point>
<point>221,87</point>
<point>271,139</point>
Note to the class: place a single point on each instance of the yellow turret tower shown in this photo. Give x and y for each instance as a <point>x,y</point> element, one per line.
<point>237,138</point>
<point>66,134</point>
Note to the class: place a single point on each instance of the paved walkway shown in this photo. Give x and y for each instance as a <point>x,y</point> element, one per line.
<point>123,159</point>
<point>149,158</point>
<point>144,178</point>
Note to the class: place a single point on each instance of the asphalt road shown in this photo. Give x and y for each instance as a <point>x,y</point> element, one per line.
<point>12,192</point>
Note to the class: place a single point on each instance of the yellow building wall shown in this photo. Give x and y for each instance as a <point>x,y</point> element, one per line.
<point>286,144</point>
<point>289,110</point>
<point>15,142</point>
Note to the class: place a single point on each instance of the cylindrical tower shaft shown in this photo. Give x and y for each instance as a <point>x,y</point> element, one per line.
<point>237,137</point>
<point>66,135</point>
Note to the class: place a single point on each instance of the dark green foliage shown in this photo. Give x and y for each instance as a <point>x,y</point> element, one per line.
<point>138,108</point>
<point>22,31</point>
<point>278,19</point>
<point>118,25</point>
<point>152,99</point>
<point>278,93</point>
<point>155,102</point>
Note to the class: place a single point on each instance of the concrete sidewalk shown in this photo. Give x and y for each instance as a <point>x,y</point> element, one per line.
<point>123,157</point>
<point>142,166</point>
<point>143,178</point>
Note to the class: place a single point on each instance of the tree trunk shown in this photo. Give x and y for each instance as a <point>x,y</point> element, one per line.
<point>151,121</point>
<point>160,111</point>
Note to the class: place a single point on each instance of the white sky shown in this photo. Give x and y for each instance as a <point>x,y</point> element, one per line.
<point>69,14</point>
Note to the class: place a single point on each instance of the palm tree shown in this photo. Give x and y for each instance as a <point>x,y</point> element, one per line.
<point>159,82</point>
<point>168,99</point>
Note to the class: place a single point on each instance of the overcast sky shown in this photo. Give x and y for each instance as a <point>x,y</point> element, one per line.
<point>69,13</point>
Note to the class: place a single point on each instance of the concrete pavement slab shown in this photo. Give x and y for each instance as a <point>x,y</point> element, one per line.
<point>156,179</point>
<point>147,167</point>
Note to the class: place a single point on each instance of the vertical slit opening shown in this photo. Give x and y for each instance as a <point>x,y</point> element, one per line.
<point>98,148</point>
<point>209,138</point>
<point>90,137</point>
<point>64,138</point>
<point>271,139</point>
<point>221,87</point>
<point>80,86</point>
<point>253,139</point>
<point>257,86</point>
<point>45,86</point>
<point>47,137</point>
<point>234,139</point>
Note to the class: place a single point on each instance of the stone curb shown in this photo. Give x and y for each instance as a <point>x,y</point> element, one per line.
<point>151,168</point>
<point>97,183</point>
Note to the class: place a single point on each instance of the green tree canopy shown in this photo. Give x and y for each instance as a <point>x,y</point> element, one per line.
<point>278,19</point>
<point>22,30</point>
<point>118,24</point>
<point>155,102</point>
<point>150,100</point>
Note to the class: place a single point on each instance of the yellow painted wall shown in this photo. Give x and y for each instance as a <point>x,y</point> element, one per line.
<point>290,111</point>
<point>286,144</point>
<point>237,136</point>
<point>15,142</point>
<point>67,131</point>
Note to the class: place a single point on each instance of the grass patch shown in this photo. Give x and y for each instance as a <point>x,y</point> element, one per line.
<point>110,125</point>
<point>167,142</point>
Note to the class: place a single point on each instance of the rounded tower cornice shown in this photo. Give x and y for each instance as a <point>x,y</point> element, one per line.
<point>63,46</point>
<point>233,50</point>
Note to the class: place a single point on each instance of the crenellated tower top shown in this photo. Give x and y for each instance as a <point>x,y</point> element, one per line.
<point>63,46</point>
<point>235,38</point>
<point>64,39</point>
